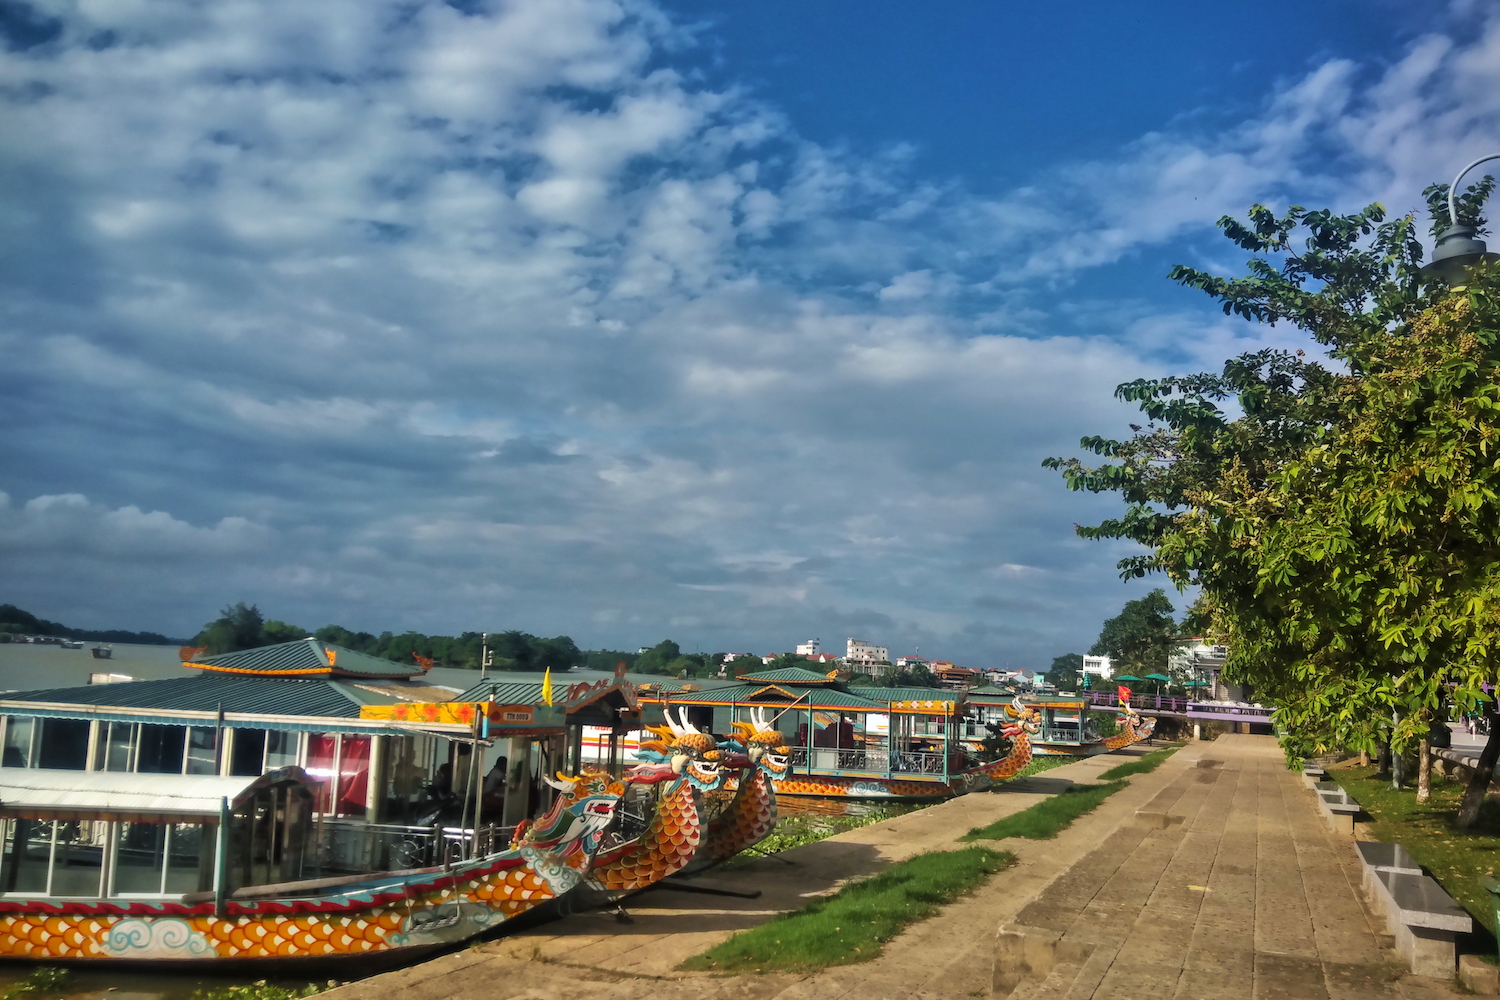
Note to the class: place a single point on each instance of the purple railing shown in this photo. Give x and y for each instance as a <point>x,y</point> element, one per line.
<point>1157,703</point>
<point>1219,711</point>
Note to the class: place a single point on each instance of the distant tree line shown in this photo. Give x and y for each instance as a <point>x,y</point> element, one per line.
<point>14,621</point>
<point>914,676</point>
<point>242,626</point>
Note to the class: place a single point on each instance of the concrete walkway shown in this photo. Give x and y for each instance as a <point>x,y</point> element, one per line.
<point>1213,876</point>
<point>1230,885</point>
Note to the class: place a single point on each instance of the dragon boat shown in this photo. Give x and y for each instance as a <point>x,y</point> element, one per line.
<point>905,744</point>
<point>1067,727</point>
<point>125,902</point>
<point>744,812</point>
<point>676,770</point>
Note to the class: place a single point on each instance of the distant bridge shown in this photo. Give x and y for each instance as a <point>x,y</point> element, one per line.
<point>1186,708</point>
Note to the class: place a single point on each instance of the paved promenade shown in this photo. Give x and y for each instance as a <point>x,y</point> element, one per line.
<point>1212,877</point>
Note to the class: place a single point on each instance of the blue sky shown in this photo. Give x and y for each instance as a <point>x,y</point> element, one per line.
<point>736,324</point>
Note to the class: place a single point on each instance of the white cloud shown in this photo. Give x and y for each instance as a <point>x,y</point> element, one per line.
<point>70,525</point>
<point>410,315</point>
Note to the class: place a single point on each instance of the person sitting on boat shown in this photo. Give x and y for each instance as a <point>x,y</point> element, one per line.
<point>494,787</point>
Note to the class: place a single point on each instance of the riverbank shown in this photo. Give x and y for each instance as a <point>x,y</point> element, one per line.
<point>592,955</point>
<point>1212,876</point>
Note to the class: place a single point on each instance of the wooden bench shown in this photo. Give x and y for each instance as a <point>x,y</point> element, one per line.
<point>1338,808</point>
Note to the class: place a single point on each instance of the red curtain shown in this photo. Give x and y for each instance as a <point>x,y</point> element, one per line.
<point>322,751</point>
<point>354,775</point>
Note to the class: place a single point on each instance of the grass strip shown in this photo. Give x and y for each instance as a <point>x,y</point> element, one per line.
<point>798,829</point>
<point>852,924</point>
<point>1043,820</point>
<point>43,980</point>
<point>1458,859</point>
<point>1045,762</point>
<point>1141,765</point>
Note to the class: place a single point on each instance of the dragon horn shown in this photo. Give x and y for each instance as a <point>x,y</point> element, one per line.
<point>563,784</point>
<point>686,727</point>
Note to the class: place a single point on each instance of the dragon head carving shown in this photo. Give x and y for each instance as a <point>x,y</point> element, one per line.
<point>684,750</point>
<point>765,747</point>
<point>585,807</point>
<point>1021,719</point>
<point>1140,726</point>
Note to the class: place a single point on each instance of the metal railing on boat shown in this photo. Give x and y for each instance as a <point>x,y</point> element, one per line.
<point>351,847</point>
<point>874,761</point>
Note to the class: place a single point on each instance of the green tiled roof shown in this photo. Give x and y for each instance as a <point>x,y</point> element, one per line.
<point>991,695</point>
<point>506,691</point>
<point>297,701</point>
<point>304,658</point>
<point>766,694</point>
<point>512,688</point>
<point>789,675</point>
<point>910,694</point>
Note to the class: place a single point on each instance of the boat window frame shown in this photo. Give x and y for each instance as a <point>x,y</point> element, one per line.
<point>31,738</point>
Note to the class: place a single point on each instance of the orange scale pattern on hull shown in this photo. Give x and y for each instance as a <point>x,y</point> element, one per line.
<point>667,846</point>
<point>747,822</point>
<point>509,891</point>
<point>1011,764</point>
<point>889,788</point>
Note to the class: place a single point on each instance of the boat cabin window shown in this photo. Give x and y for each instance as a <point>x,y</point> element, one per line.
<point>94,858</point>
<point>64,744</point>
<point>257,751</point>
<point>18,735</point>
<point>407,795</point>
<point>342,763</point>
<point>115,750</point>
<point>55,743</point>
<point>249,752</point>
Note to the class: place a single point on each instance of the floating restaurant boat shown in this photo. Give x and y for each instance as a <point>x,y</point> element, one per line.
<point>1066,728</point>
<point>206,869</point>
<point>128,840</point>
<point>869,743</point>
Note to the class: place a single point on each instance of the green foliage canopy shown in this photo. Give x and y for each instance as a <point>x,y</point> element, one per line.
<point>1141,636</point>
<point>1343,524</point>
<point>1065,672</point>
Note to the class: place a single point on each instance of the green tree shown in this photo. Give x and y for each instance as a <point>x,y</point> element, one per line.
<point>1343,526</point>
<point>274,631</point>
<point>655,659</point>
<point>1141,636</point>
<point>237,627</point>
<point>1065,672</point>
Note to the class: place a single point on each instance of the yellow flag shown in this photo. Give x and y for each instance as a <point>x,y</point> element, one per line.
<point>547,687</point>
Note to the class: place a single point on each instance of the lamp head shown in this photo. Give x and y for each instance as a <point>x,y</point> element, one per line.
<point>1457,250</point>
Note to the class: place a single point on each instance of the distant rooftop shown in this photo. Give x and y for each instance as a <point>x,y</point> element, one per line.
<point>308,657</point>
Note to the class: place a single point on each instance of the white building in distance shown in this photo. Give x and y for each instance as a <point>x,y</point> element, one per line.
<point>809,648</point>
<point>1098,666</point>
<point>864,658</point>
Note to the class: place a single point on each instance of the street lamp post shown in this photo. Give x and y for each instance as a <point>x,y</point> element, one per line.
<point>1459,247</point>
